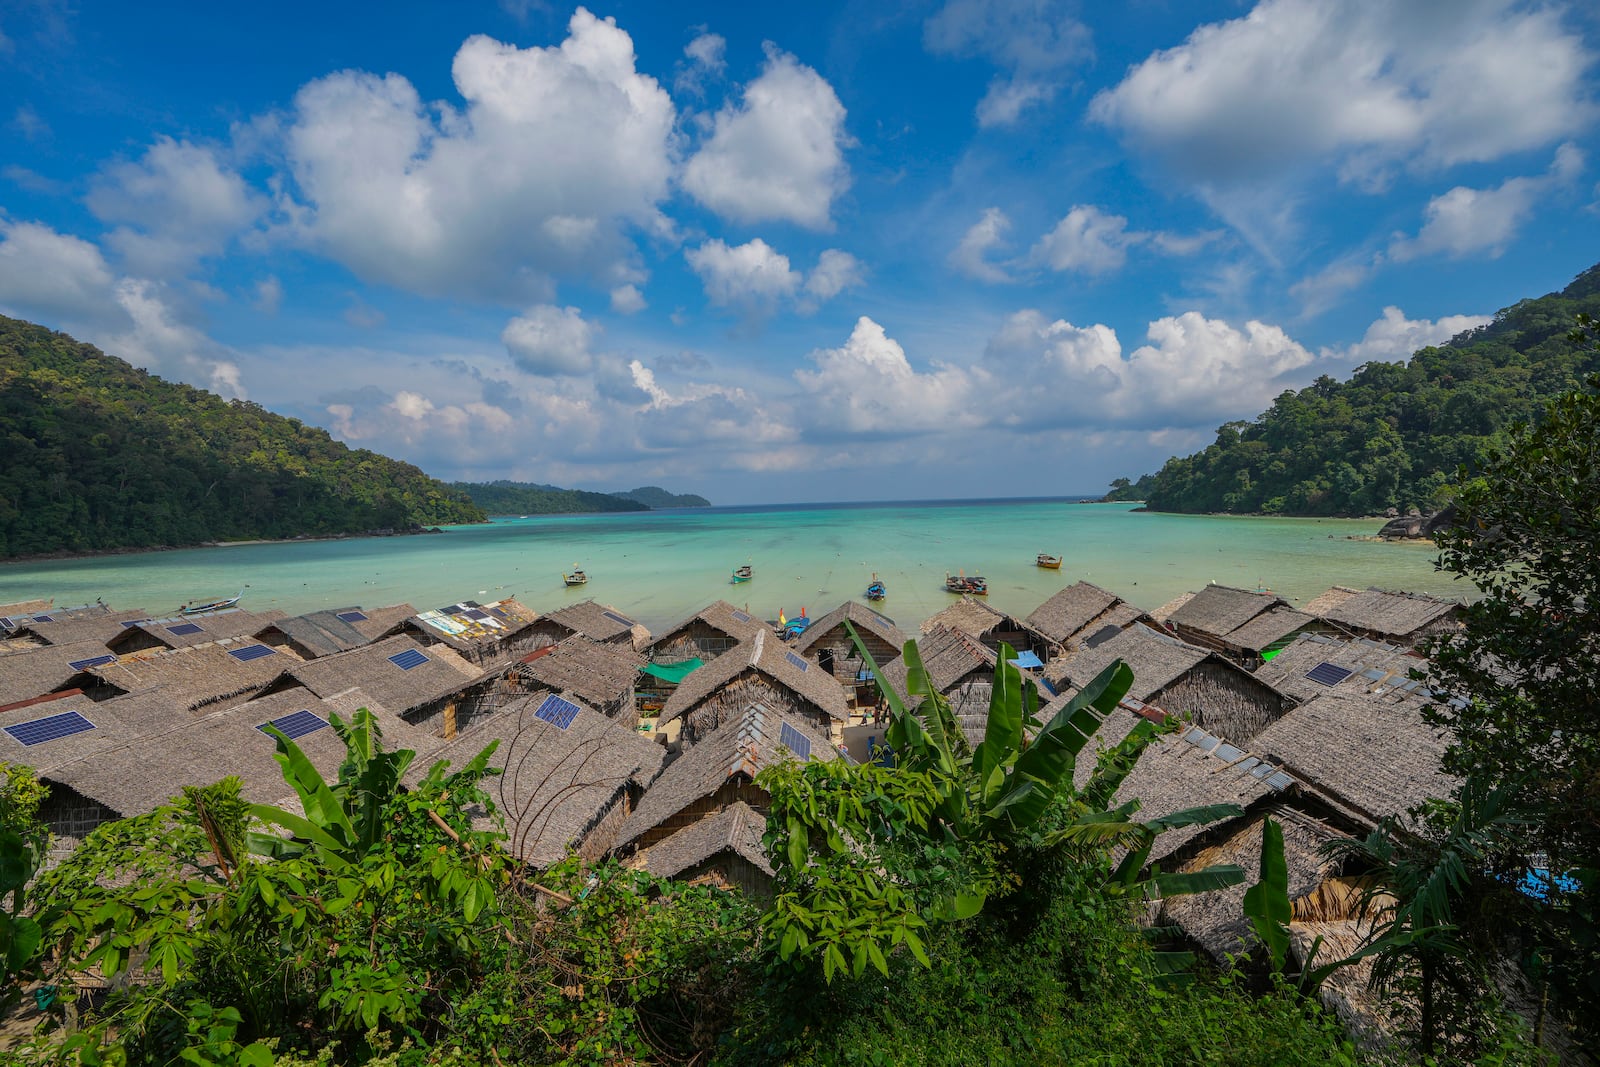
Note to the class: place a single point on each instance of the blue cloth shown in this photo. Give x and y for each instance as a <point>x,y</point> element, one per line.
<point>1027,659</point>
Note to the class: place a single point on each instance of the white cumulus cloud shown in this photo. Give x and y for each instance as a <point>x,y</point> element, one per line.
<point>868,387</point>
<point>550,340</point>
<point>1465,221</point>
<point>755,277</point>
<point>971,255</point>
<point>1034,43</point>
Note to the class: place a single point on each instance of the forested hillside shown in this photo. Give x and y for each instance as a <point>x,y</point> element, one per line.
<point>528,498</point>
<point>1393,435</point>
<point>653,496</point>
<point>97,454</point>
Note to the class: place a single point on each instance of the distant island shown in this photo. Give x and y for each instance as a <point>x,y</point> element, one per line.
<point>1393,437</point>
<point>97,455</point>
<point>504,497</point>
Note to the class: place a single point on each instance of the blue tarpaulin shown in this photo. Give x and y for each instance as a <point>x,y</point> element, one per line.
<point>1027,659</point>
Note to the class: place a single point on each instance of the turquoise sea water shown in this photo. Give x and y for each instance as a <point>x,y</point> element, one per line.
<point>659,566</point>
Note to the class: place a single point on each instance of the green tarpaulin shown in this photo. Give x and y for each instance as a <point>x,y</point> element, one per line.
<point>675,672</point>
<point>1267,656</point>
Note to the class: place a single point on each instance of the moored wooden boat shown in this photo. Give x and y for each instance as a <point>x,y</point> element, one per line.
<point>973,585</point>
<point>877,590</point>
<point>1048,562</point>
<point>192,608</point>
<point>577,577</point>
<point>743,574</point>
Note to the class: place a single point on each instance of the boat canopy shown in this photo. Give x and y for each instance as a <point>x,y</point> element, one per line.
<point>672,672</point>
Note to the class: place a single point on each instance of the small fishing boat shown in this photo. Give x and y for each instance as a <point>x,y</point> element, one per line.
<point>788,628</point>
<point>1048,562</point>
<point>975,585</point>
<point>577,577</point>
<point>742,574</point>
<point>877,590</point>
<point>193,608</point>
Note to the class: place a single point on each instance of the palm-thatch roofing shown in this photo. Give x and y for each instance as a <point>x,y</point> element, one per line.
<point>1329,599</point>
<point>97,626</point>
<point>185,631</point>
<point>733,622</point>
<point>324,633</point>
<point>950,658</point>
<point>555,783</point>
<point>1371,666</point>
<point>598,674</point>
<point>768,658</point>
<point>477,630</point>
<point>1391,615</point>
<point>1267,629</point>
<point>736,750</point>
<point>194,677</point>
<point>736,829</point>
<point>1165,611</point>
<point>111,724</point>
<point>46,668</point>
<point>1156,659</point>
<point>597,622</point>
<point>1218,610</point>
<point>1080,610</point>
<point>830,628</point>
<point>1370,759</point>
<point>23,607</point>
<point>439,673</point>
<point>971,615</point>
<point>1216,919</point>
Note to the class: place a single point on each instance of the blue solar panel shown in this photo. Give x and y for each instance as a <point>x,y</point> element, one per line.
<point>94,661</point>
<point>183,629</point>
<point>476,614</point>
<point>39,731</point>
<point>134,622</point>
<point>351,616</point>
<point>250,652</point>
<point>1328,674</point>
<point>297,725</point>
<point>795,741</point>
<point>408,659</point>
<point>795,661</point>
<point>741,616</point>
<point>614,617</point>
<point>559,713</point>
<point>44,618</point>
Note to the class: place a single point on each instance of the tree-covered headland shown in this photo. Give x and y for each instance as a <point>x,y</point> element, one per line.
<point>1393,435</point>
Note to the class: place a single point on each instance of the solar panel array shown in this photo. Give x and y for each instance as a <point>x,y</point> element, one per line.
<point>351,616</point>
<point>614,617</point>
<point>131,623</point>
<point>559,713</point>
<point>297,725</point>
<point>44,618</point>
<point>408,659</point>
<point>795,741</point>
<point>741,616</point>
<point>476,613</point>
<point>183,629</point>
<point>1329,674</point>
<point>796,662</point>
<point>39,731</point>
<point>250,652</point>
<point>93,661</point>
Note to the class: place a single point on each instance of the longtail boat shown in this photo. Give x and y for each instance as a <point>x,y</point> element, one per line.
<point>975,585</point>
<point>743,574</point>
<point>192,608</point>
<point>877,590</point>
<point>577,577</point>
<point>1048,562</point>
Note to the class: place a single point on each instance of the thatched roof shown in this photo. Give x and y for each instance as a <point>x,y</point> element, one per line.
<point>185,631</point>
<point>1156,659</point>
<point>1069,612</point>
<point>736,829</point>
<point>25,607</point>
<point>114,723</point>
<point>200,675</point>
<point>1165,611</point>
<point>1218,610</point>
<point>830,628</point>
<point>597,622</point>
<point>949,656</point>
<point>97,626</point>
<point>734,622</point>
<point>1371,666</point>
<point>739,747</point>
<point>1216,919</point>
<point>555,782</point>
<point>1393,615</point>
<point>1326,601</point>
<point>767,656</point>
<point>1373,759</point>
<point>1268,628</point>
<point>971,615</point>
<point>440,673</point>
<point>324,633</point>
<point>598,674</point>
<point>25,675</point>
<point>472,627</point>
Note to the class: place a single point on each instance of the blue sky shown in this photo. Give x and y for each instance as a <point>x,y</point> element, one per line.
<point>788,252</point>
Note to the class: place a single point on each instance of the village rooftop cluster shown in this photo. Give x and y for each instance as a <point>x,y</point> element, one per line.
<point>614,741</point>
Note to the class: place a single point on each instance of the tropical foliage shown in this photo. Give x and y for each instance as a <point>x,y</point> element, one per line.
<point>1395,434</point>
<point>96,454</point>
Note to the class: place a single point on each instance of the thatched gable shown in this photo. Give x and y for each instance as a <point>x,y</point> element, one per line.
<point>602,676</point>
<point>1217,610</point>
<point>9,612</point>
<point>722,850</point>
<point>46,669</point>
<point>110,725</point>
<point>972,616</point>
<point>482,633</point>
<point>186,631</point>
<point>1082,610</point>
<point>98,625</point>
<point>1405,618</point>
<point>959,668</point>
<point>1270,629</point>
<point>437,677</point>
<point>195,677</point>
<point>762,670</point>
<point>560,787</point>
<point>705,635</point>
<point>827,641</point>
<point>1304,669</point>
<point>718,771</point>
<point>1326,601</point>
<point>326,633</point>
<point>1365,758</point>
<point>597,622</point>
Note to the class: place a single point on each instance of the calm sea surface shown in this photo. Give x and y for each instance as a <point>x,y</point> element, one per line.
<point>660,566</point>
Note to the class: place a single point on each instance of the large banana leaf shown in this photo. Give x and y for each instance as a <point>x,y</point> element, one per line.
<point>1002,736</point>
<point>321,805</point>
<point>1182,883</point>
<point>1053,754</point>
<point>1115,766</point>
<point>1266,904</point>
